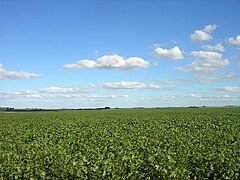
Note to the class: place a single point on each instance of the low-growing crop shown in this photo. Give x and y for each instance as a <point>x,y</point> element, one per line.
<point>201,143</point>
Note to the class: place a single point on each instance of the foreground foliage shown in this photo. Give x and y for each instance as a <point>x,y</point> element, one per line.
<point>121,144</point>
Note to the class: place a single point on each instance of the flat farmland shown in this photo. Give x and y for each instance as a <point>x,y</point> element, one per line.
<point>171,143</point>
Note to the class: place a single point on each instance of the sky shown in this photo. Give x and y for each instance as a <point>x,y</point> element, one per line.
<point>129,53</point>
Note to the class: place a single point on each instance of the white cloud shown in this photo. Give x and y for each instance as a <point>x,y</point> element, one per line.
<point>51,92</point>
<point>158,98</point>
<point>110,62</point>
<point>176,82</point>
<point>123,85</point>
<point>217,47</point>
<point>56,97</point>
<point>129,85</point>
<point>206,54</point>
<point>204,34</point>
<point>230,88</point>
<point>209,28</point>
<point>173,54</point>
<point>62,90</point>
<point>33,96</point>
<point>210,61</point>
<point>4,74</point>
<point>234,42</point>
<point>107,96</point>
<point>204,78</point>
<point>199,36</point>
<point>214,97</point>
<point>20,92</point>
<point>73,93</point>
<point>165,98</point>
<point>154,86</point>
<point>203,66</point>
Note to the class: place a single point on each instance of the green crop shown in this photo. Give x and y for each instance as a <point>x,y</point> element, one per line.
<point>201,143</point>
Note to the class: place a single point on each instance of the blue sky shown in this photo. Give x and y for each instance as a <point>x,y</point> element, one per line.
<point>72,54</point>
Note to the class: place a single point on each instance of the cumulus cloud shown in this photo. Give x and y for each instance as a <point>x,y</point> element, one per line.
<point>165,98</point>
<point>207,77</point>
<point>173,54</point>
<point>203,66</point>
<point>19,92</point>
<point>107,96</point>
<point>230,88</point>
<point>151,99</point>
<point>217,47</point>
<point>199,36</point>
<point>234,42</point>
<point>33,96</point>
<point>154,86</point>
<point>129,85</point>
<point>62,90</point>
<point>4,74</point>
<point>210,95</point>
<point>55,97</point>
<point>51,92</point>
<point>204,34</point>
<point>123,85</point>
<point>110,62</point>
<point>206,54</point>
<point>209,61</point>
<point>181,82</point>
<point>214,97</point>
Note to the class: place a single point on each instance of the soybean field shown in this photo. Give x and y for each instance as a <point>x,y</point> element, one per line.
<point>168,143</point>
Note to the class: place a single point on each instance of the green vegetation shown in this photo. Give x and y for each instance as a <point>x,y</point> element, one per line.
<point>201,143</point>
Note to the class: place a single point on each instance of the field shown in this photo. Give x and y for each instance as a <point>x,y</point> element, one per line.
<point>200,143</point>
